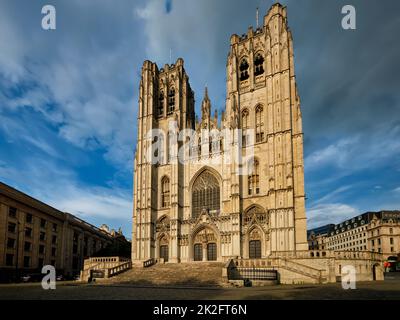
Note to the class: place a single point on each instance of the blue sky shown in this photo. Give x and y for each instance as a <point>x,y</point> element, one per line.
<point>68,98</point>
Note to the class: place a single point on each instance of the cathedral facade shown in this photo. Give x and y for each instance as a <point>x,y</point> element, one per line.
<point>210,189</point>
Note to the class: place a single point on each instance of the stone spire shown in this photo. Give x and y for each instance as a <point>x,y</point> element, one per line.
<point>205,106</point>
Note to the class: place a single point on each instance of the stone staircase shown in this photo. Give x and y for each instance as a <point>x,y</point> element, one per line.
<point>106,267</point>
<point>197,274</point>
<point>298,272</point>
<point>302,269</point>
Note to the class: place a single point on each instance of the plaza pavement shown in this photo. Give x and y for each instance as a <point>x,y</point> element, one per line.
<point>389,289</point>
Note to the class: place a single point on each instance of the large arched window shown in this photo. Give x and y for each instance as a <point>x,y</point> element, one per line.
<point>244,70</point>
<point>254,177</point>
<point>245,126</point>
<point>258,64</point>
<point>171,100</point>
<point>165,193</point>
<point>205,194</point>
<point>259,124</point>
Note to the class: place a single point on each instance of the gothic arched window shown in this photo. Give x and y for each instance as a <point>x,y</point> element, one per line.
<point>244,70</point>
<point>258,64</point>
<point>165,193</point>
<point>163,224</point>
<point>160,111</point>
<point>254,177</point>
<point>245,126</point>
<point>205,194</point>
<point>254,213</point>
<point>171,100</point>
<point>259,124</point>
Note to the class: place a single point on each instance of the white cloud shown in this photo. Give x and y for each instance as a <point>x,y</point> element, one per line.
<point>336,153</point>
<point>93,202</point>
<point>14,130</point>
<point>81,84</point>
<point>322,214</point>
<point>358,152</point>
<point>60,188</point>
<point>332,195</point>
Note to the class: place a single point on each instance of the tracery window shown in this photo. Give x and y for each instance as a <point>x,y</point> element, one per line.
<point>244,70</point>
<point>163,224</point>
<point>254,212</point>
<point>165,192</point>
<point>259,124</point>
<point>205,194</point>
<point>258,64</point>
<point>254,177</point>
<point>171,100</point>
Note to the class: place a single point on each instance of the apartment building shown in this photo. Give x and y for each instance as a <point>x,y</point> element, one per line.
<point>33,234</point>
<point>370,231</point>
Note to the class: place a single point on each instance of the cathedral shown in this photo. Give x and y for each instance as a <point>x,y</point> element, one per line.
<point>212,189</point>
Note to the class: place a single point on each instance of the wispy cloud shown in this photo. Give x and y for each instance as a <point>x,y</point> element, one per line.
<point>82,85</point>
<point>61,188</point>
<point>329,213</point>
<point>332,195</point>
<point>370,149</point>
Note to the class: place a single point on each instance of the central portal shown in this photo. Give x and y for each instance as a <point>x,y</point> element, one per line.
<point>205,245</point>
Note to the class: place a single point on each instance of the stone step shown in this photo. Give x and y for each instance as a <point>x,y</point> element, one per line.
<point>179,274</point>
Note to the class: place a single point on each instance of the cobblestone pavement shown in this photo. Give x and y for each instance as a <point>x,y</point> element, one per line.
<point>73,291</point>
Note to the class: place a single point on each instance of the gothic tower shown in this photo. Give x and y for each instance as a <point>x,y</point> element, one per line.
<point>166,105</point>
<point>262,95</point>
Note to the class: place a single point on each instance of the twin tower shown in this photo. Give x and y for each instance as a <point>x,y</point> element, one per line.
<point>205,208</point>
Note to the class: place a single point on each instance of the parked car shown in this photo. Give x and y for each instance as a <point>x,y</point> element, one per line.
<point>60,277</point>
<point>32,277</point>
<point>392,264</point>
<point>26,278</point>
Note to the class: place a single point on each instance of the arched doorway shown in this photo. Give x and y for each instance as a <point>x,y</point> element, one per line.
<point>164,248</point>
<point>205,246</point>
<point>164,253</point>
<point>255,243</point>
<point>255,222</point>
